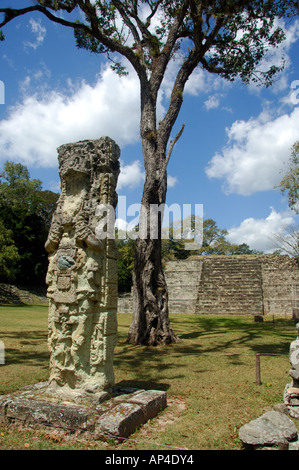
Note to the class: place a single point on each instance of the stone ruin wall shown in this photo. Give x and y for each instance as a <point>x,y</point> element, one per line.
<point>230,285</point>
<point>280,284</point>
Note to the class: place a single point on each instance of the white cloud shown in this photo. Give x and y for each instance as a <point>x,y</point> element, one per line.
<point>40,33</point>
<point>256,151</point>
<point>36,82</point>
<point>212,102</point>
<point>259,233</point>
<point>130,175</point>
<point>171,181</point>
<point>35,127</point>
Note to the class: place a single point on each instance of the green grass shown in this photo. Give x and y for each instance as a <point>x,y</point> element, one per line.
<point>211,372</point>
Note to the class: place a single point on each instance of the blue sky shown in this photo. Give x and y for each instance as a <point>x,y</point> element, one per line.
<point>231,154</point>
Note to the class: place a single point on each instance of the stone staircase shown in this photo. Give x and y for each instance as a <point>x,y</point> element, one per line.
<point>230,285</point>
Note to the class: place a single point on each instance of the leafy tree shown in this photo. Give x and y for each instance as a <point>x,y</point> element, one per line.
<point>126,255</point>
<point>243,249</point>
<point>224,37</point>
<point>9,255</point>
<point>287,241</point>
<point>25,215</point>
<point>17,192</point>
<point>174,238</point>
<point>173,249</point>
<point>290,182</point>
<point>48,200</point>
<point>212,235</point>
<point>214,243</point>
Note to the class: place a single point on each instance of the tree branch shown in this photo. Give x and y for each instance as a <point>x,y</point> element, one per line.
<point>113,44</point>
<point>166,161</point>
<point>153,12</point>
<point>165,55</point>
<point>127,20</point>
<point>93,30</point>
<point>11,13</point>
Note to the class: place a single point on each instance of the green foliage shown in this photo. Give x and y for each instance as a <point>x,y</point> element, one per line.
<point>174,249</point>
<point>223,36</point>
<point>9,255</point>
<point>126,256</point>
<point>214,243</point>
<point>17,191</point>
<point>25,214</point>
<point>245,38</point>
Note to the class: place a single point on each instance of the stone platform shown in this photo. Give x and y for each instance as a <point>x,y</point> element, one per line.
<point>121,412</point>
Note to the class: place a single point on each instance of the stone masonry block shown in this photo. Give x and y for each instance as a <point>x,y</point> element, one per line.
<point>151,401</point>
<point>122,420</point>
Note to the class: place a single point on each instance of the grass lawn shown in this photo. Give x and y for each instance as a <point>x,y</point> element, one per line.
<point>209,378</point>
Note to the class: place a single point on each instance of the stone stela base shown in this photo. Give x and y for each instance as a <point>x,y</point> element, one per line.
<point>120,413</point>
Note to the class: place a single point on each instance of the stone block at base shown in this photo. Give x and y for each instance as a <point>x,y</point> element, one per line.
<point>133,410</point>
<point>119,416</point>
<point>122,420</point>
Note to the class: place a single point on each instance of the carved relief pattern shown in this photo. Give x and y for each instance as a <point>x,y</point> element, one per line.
<point>82,272</point>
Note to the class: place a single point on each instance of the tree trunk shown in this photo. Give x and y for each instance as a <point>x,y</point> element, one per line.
<point>150,325</point>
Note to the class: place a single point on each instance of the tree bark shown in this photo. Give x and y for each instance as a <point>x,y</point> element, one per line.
<point>150,324</point>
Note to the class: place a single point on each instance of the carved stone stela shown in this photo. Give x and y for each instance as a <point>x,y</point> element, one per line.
<point>82,292</point>
<point>82,272</point>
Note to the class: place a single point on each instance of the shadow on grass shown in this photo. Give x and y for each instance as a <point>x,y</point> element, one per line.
<point>29,342</point>
<point>16,304</point>
<point>231,337</point>
<point>144,385</point>
<point>15,356</point>
<point>255,336</point>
